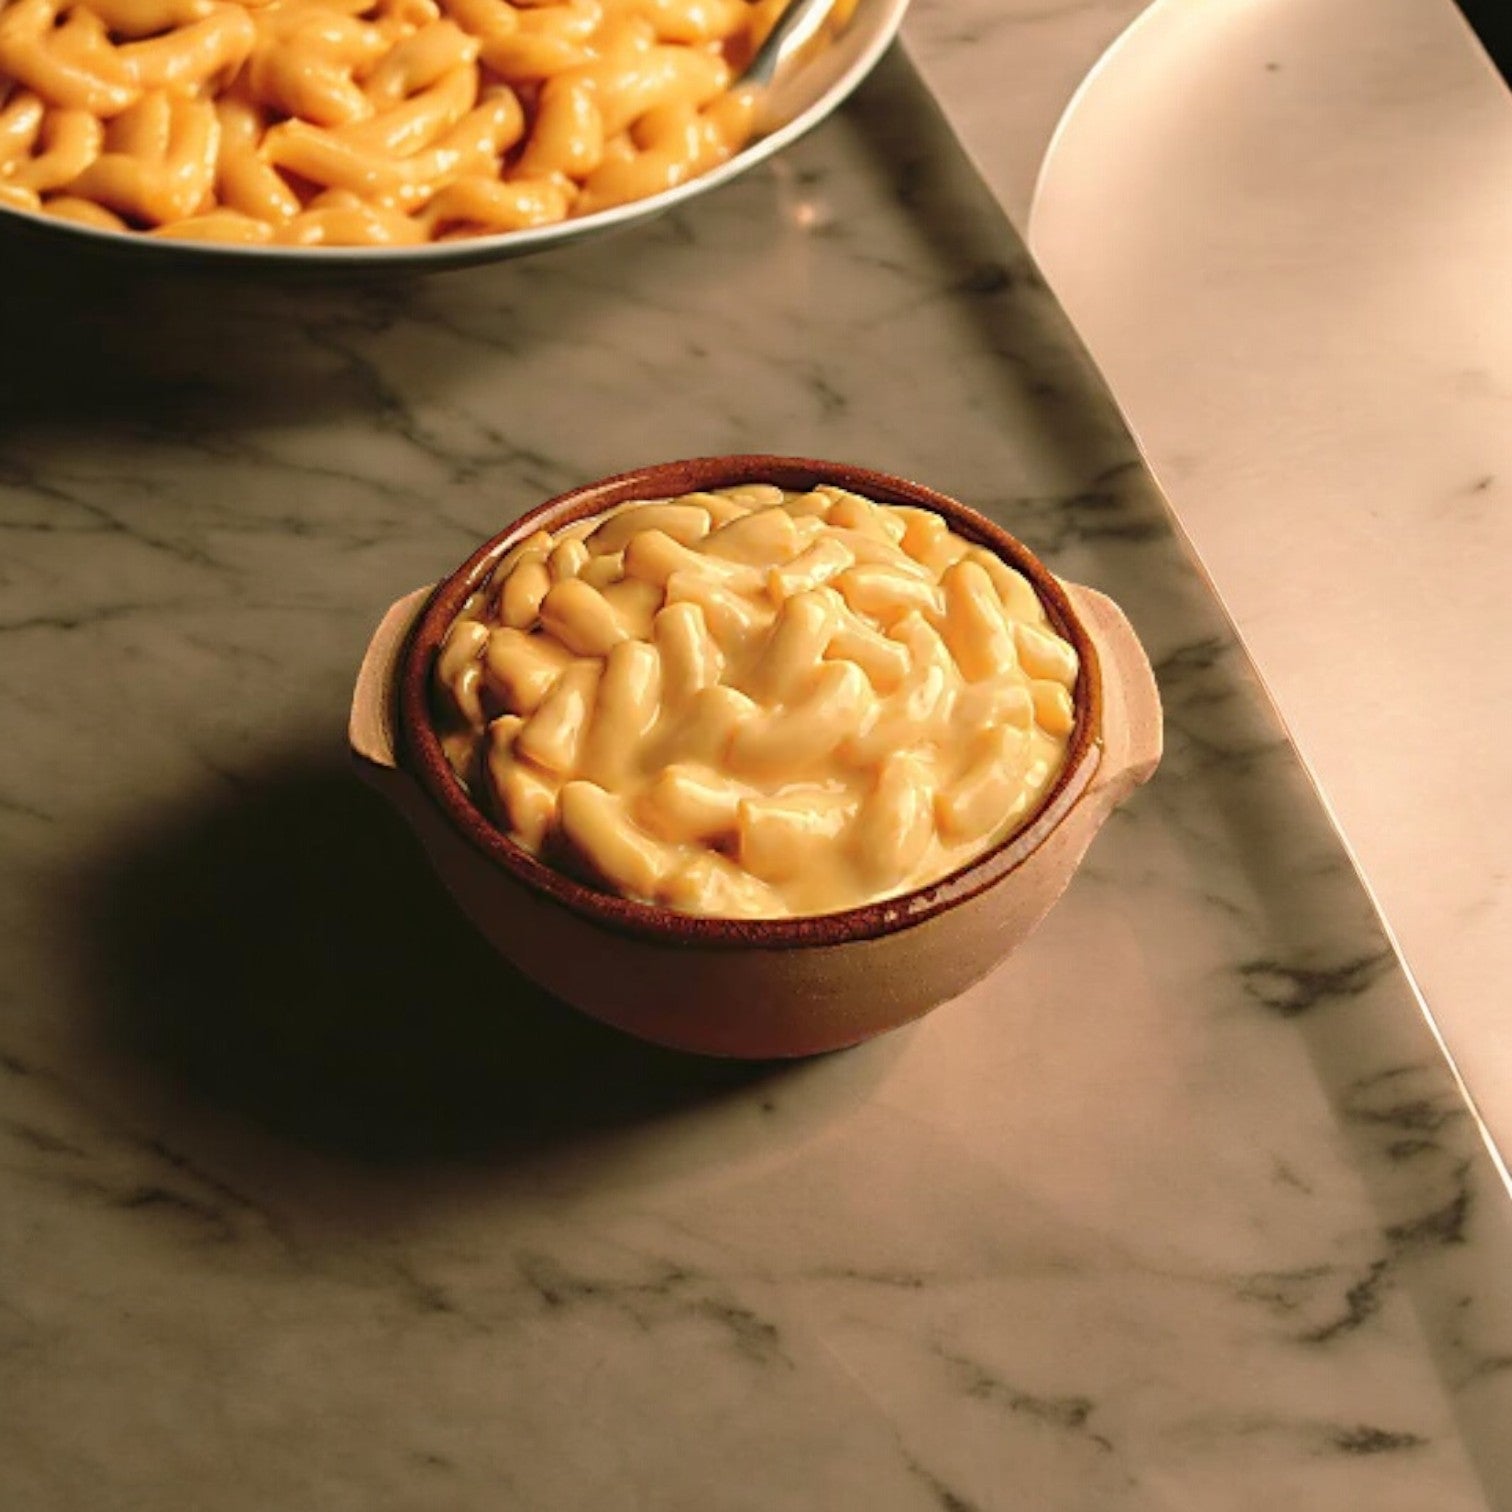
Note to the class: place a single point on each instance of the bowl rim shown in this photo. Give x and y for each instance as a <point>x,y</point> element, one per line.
<point>419,751</point>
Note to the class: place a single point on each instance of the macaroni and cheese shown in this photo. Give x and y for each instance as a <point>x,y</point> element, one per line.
<point>364,122</point>
<point>752,703</point>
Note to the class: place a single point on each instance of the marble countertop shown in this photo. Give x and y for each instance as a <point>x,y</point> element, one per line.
<point>309,1203</point>
<point>1295,281</point>
<point>1291,272</point>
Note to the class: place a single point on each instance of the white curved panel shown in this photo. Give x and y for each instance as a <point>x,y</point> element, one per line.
<point>1283,229</point>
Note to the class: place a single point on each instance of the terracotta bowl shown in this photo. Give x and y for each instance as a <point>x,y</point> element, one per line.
<point>765,987</point>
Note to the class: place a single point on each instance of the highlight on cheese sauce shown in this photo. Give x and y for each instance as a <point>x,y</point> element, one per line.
<point>755,703</point>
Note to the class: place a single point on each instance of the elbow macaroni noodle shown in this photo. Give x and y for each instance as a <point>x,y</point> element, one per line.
<point>751,703</point>
<point>364,122</point>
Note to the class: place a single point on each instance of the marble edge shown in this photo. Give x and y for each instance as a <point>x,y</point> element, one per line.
<point>960,134</point>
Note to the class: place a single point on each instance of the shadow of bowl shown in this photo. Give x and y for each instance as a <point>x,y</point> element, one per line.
<point>288,957</point>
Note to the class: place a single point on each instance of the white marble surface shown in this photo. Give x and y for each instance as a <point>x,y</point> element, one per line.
<point>308,1203</point>
<point>1004,72</point>
<point>1292,270</point>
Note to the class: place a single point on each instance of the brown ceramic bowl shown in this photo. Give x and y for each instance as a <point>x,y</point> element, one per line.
<point>756,987</point>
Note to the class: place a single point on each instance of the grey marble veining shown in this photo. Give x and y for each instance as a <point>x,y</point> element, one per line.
<point>309,1203</point>
<point>1379,248</point>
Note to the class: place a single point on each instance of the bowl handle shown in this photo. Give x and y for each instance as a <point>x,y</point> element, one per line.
<point>1132,733</point>
<point>1133,737</point>
<point>370,727</point>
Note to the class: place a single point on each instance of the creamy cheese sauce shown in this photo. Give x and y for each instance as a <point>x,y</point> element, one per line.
<point>752,703</point>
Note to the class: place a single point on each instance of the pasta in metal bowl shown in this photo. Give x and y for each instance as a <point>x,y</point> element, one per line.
<point>387,124</point>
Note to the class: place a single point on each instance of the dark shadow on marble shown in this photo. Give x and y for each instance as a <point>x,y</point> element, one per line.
<point>92,336</point>
<point>1492,23</point>
<point>186,352</point>
<point>287,956</point>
